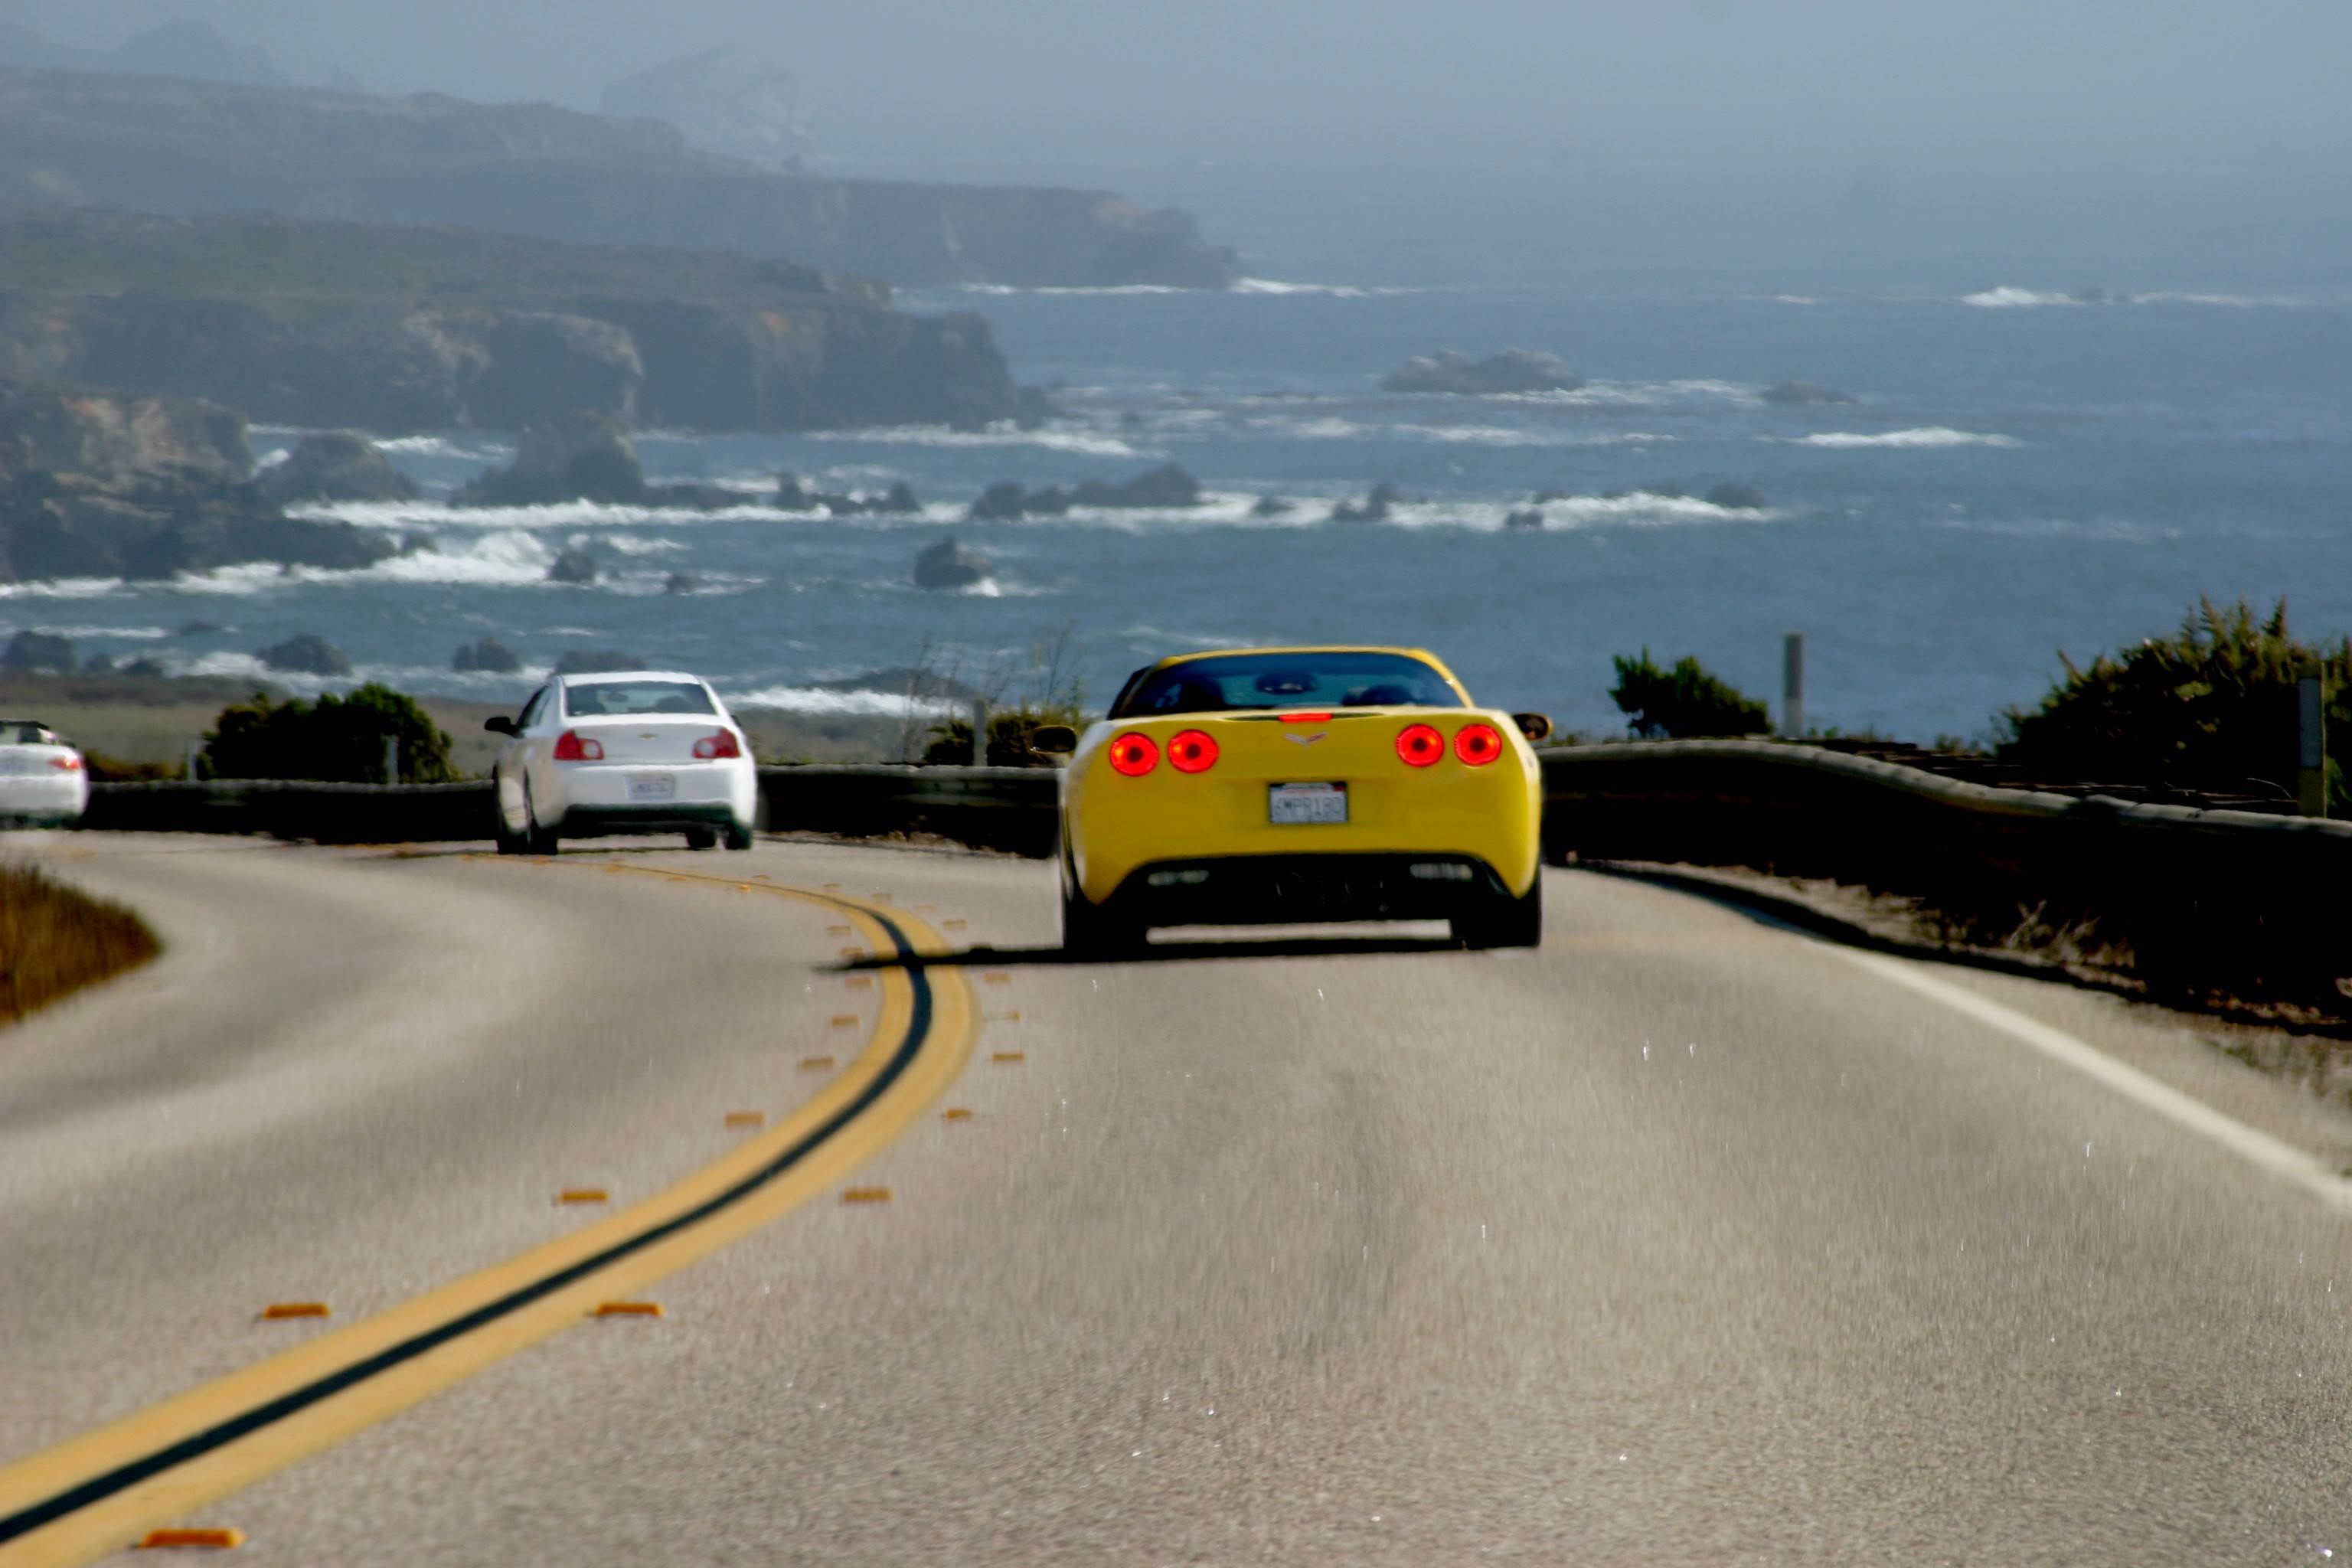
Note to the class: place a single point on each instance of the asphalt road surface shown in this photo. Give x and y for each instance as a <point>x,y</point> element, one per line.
<point>1686,1239</point>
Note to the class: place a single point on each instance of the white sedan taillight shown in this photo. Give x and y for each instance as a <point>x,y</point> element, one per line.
<point>712,747</point>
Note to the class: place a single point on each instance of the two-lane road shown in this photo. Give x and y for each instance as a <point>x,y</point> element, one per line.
<point>1686,1239</point>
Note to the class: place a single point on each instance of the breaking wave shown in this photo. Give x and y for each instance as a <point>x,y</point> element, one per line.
<point>825,700</point>
<point>1054,438</point>
<point>1929,436</point>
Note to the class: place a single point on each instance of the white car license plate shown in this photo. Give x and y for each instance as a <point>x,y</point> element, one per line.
<point>653,787</point>
<point>1295,802</point>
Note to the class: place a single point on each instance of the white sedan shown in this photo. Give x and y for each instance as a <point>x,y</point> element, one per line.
<point>623,751</point>
<point>42,778</point>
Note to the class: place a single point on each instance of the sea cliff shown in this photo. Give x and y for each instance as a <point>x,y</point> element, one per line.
<point>157,144</point>
<point>393,327</point>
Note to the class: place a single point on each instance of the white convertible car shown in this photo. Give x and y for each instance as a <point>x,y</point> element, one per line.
<point>42,778</point>
<point>625,752</point>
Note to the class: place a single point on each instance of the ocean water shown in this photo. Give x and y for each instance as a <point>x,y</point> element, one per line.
<point>2023,471</point>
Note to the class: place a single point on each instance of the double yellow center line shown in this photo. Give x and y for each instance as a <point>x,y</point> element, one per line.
<point>103,1490</point>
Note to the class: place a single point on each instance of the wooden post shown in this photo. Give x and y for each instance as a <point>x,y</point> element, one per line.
<point>980,731</point>
<point>392,759</point>
<point>1792,686</point>
<point>2311,737</point>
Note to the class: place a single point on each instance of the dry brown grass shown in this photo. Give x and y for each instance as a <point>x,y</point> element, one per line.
<point>54,941</point>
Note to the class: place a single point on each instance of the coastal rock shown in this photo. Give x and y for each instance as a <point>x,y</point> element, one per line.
<point>1270,506</point>
<point>582,456</point>
<point>1452,371</point>
<point>38,651</point>
<point>949,564</point>
<point>333,466</point>
<point>1167,486</point>
<point>1736,498</point>
<point>97,484</point>
<point>1524,517</point>
<point>1374,507</point>
<point>1802,391</point>
<point>791,496</point>
<point>305,653</point>
<point>311,323</point>
<point>538,365</point>
<point>680,583</point>
<point>573,565</point>
<point>486,656</point>
<point>595,661</point>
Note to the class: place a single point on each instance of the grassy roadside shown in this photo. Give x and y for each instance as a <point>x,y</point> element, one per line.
<point>54,941</point>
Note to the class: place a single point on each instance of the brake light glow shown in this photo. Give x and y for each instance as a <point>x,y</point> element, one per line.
<point>1477,744</point>
<point>1133,754</point>
<point>68,763</point>
<point>1307,718</point>
<point>722,744</point>
<point>1419,745</point>
<point>1191,752</point>
<point>574,747</point>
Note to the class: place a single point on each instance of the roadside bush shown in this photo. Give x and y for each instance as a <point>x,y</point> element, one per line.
<point>2211,707</point>
<point>1008,737</point>
<point>1683,703</point>
<point>337,739</point>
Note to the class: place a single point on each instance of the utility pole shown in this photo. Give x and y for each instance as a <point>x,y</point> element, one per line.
<point>2311,737</point>
<point>1792,686</point>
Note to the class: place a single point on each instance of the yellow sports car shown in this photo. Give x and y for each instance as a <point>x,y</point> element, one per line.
<point>1290,784</point>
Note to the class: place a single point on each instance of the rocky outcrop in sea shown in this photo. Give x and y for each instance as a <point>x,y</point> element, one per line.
<point>949,564</point>
<point>95,483</point>
<point>583,456</point>
<point>335,465</point>
<point>1167,488</point>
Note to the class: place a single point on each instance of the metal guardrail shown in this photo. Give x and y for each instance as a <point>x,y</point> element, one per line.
<point>2189,903</point>
<point>996,808</point>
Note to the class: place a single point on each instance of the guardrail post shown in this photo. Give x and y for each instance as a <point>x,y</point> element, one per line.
<point>2311,724</point>
<point>980,731</point>
<point>1792,686</point>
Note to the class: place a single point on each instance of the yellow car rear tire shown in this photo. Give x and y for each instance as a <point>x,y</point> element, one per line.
<point>1507,923</point>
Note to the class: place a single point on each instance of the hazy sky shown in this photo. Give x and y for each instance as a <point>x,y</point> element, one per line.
<point>1821,85</point>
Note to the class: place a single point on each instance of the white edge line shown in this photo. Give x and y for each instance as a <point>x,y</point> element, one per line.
<point>2281,1159</point>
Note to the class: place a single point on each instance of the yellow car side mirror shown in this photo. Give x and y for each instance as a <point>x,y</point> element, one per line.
<point>1534,726</point>
<point>1052,740</point>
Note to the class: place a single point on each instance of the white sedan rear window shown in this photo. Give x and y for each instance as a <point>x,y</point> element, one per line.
<point>614,698</point>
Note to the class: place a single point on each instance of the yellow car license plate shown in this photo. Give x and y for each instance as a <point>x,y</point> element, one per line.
<point>1305,803</point>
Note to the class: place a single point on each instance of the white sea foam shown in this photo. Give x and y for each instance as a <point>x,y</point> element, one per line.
<point>62,588</point>
<point>823,699</point>
<point>1929,436</point>
<point>480,451</point>
<point>2009,299</point>
<point>403,515</point>
<point>1058,437</point>
<point>141,634</point>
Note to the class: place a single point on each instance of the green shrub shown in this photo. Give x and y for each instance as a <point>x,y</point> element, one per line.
<point>1008,736</point>
<point>337,739</point>
<point>2212,706</point>
<point>1685,702</point>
